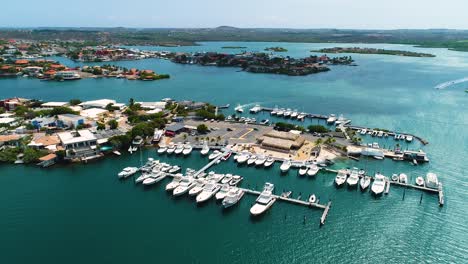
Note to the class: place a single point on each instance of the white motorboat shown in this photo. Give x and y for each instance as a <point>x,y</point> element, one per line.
<point>243,157</point>
<point>340,178</point>
<point>264,201</point>
<point>232,197</point>
<point>185,185</point>
<point>222,192</point>
<point>380,134</point>
<point>331,119</point>
<point>179,149</point>
<point>280,112</point>
<point>252,160</point>
<point>312,198</point>
<point>420,181</point>
<point>187,149</point>
<point>274,111</point>
<point>208,191</point>
<point>174,183</point>
<point>353,178</point>
<point>239,109</point>
<point>199,184</point>
<point>128,171</point>
<point>162,148</point>
<point>217,177</point>
<point>269,161</point>
<point>257,108</point>
<point>174,169</point>
<point>378,186</point>
<point>154,178</point>
<point>205,149</point>
<point>285,166</point>
<point>432,181</point>
<point>403,178</point>
<point>142,177</point>
<point>363,131</point>
<point>235,180</point>
<point>227,178</point>
<point>260,161</point>
<point>214,155</point>
<point>170,148</point>
<point>395,177</point>
<point>409,138</point>
<point>294,114</point>
<point>341,120</point>
<point>287,113</point>
<point>303,170</point>
<point>301,116</point>
<point>313,170</point>
<point>365,182</point>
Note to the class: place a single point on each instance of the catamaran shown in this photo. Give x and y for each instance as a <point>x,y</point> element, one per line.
<point>264,201</point>
<point>378,186</point>
<point>232,197</point>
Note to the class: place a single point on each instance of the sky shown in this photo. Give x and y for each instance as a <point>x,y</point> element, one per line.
<point>355,14</point>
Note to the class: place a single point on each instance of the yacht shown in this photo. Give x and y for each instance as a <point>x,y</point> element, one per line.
<point>128,171</point>
<point>420,181</point>
<point>208,191</point>
<point>239,109</point>
<point>403,178</point>
<point>227,178</point>
<point>174,169</point>
<point>235,180</point>
<point>341,120</point>
<point>313,170</point>
<point>340,178</point>
<point>154,178</point>
<point>170,148</point>
<point>264,122</point>
<point>269,161</point>
<point>432,181</point>
<point>232,197</point>
<point>365,182</point>
<point>303,170</point>
<point>287,113</point>
<point>301,116</point>
<point>214,155</point>
<point>197,188</point>
<point>222,192</point>
<point>285,166</point>
<point>187,149</point>
<point>280,112</point>
<point>264,201</point>
<point>251,160</point>
<point>142,177</point>
<point>260,161</point>
<point>353,178</point>
<point>331,119</point>
<point>378,186</point>
<point>185,185</point>
<point>217,177</point>
<point>274,111</point>
<point>179,149</point>
<point>294,114</point>
<point>205,149</point>
<point>257,108</point>
<point>162,148</point>
<point>174,183</point>
<point>243,157</point>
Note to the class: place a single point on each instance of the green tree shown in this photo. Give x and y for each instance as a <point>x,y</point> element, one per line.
<point>317,129</point>
<point>75,101</point>
<point>101,126</point>
<point>202,129</point>
<point>113,124</point>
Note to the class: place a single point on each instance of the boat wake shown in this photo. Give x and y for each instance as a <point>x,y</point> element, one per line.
<point>450,83</point>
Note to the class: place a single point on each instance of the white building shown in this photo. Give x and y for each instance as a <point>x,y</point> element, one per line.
<point>102,103</point>
<point>152,105</point>
<point>55,104</point>
<point>93,113</point>
<point>79,144</point>
<point>68,75</point>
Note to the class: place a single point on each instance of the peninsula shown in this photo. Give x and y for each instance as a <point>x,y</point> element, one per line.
<point>373,51</point>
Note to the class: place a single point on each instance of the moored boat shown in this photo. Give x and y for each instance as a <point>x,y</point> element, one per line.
<point>285,166</point>
<point>313,170</point>
<point>420,181</point>
<point>378,186</point>
<point>232,197</point>
<point>364,182</point>
<point>340,178</point>
<point>208,191</point>
<point>264,201</point>
<point>222,192</point>
<point>128,171</point>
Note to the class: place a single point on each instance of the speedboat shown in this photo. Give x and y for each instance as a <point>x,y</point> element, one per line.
<point>403,178</point>
<point>214,155</point>
<point>227,178</point>
<point>251,160</point>
<point>128,171</point>
<point>409,138</point>
<point>285,166</point>
<point>187,149</point>
<point>235,180</point>
<point>222,192</point>
<point>269,161</point>
<point>179,149</point>
<point>432,181</point>
<point>174,169</point>
<point>171,148</point>
<point>312,198</point>
<point>197,188</point>
<point>260,161</point>
<point>287,113</point>
<point>313,169</point>
<point>232,197</point>
<point>243,157</point>
<point>340,178</point>
<point>303,170</point>
<point>378,185</point>
<point>205,149</point>
<point>395,177</point>
<point>280,112</point>
<point>208,191</point>
<point>227,156</point>
<point>331,119</point>
<point>301,116</point>
<point>365,182</point>
<point>174,183</point>
<point>185,185</point>
<point>264,201</point>
<point>420,181</point>
<point>353,178</point>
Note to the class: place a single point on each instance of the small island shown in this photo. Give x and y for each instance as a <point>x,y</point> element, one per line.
<point>276,49</point>
<point>373,51</point>
<point>233,47</point>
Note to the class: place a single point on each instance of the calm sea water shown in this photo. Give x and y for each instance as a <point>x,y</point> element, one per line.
<point>79,213</point>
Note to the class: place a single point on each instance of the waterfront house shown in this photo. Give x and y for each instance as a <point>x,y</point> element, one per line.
<point>80,144</point>
<point>10,140</point>
<point>70,120</point>
<point>10,104</point>
<point>47,122</point>
<point>47,160</point>
<point>93,113</point>
<point>101,103</point>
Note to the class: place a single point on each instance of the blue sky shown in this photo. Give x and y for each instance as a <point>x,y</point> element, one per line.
<point>367,14</point>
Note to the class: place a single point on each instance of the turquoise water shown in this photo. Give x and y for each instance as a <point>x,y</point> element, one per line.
<point>83,213</point>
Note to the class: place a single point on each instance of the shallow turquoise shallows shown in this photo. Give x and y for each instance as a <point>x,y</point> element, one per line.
<point>84,214</point>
